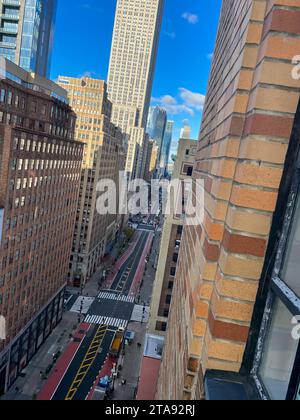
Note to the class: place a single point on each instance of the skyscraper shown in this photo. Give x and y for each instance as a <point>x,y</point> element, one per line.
<point>40,165</point>
<point>185,132</point>
<point>166,147</point>
<point>131,69</point>
<point>103,158</point>
<point>156,125</point>
<point>26,33</point>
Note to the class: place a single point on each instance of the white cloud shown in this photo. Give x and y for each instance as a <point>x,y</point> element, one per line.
<point>187,103</point>
<point>190,17</point>
<point>192,99</point>
<point>171,35</point>
<point>89,74</point>
<point>167,100</point>
<point>172,106</point>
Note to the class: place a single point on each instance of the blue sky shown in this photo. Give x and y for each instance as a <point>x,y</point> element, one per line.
<point>82,42</point>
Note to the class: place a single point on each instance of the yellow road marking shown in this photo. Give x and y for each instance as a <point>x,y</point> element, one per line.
<point>87,362</point>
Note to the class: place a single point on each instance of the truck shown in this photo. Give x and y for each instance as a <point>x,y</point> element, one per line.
<point>117,343</point>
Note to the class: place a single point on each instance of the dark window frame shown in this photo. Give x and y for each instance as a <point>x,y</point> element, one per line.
<point>272,286</point>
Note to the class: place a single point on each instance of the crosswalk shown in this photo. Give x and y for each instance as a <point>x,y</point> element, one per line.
<point>116,296</point>
<point>104,320</point>
<point>82,305</point>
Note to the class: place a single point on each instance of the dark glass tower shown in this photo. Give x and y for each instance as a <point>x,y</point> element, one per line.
<point>156,127</point>
<point>165,149</point>
<point>26,33</point>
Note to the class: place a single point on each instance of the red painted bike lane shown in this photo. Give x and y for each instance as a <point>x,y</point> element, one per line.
<point>141,267</point>
<point>105,371</point>
<point>63,364</point>
<point>112,276</point>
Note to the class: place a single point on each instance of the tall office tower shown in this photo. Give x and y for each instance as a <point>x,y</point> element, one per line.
<point>165,148</point>
<point>40,166</point>
<point>131,69</point>
<point>237,282</point>
<point>151,160</point>
<point>156,125</point>
<point>26,33</point>
<point>185,132</point>
<point>170,243</point>
<point>103,159</point>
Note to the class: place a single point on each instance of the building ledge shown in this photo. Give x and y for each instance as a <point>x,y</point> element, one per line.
<point>228,386</point>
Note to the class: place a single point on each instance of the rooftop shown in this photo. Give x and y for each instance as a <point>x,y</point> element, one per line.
<point>148,379</point>
<point>9,70</point>
<point>154,346</point>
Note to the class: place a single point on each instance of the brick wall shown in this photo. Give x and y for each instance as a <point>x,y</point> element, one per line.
<point>39,185</point>
<point>247,121</point>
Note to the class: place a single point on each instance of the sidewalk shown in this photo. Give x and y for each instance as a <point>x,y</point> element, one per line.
<point>29,386</point>
<point>146,290</point>
<point>131,365</point>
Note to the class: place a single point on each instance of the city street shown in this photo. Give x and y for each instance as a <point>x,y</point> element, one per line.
<point>110,310</point>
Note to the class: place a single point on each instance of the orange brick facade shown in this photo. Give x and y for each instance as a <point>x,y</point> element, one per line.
<point>247,121</point>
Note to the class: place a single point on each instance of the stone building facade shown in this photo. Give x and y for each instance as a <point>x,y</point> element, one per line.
<point>104,158</point>
<point>170,243</point>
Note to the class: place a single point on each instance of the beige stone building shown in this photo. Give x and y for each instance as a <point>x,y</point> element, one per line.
<point>131,71</point>
<point>170,244</point>
<point>104,158</point>
<point>237,284</point>
<point>151,160</point>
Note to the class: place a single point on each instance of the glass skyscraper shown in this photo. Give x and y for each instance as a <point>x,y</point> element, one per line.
<point>26,33</point>
<point>166,147</point>
<point>156,127</point>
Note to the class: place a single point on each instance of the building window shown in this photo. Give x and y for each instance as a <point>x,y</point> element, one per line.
<point>187,170</point>
<point>168,299</point>
<point>166,313</point>
<point>2,95</point>
<point>279,353</point>
<point>164,326</point>
<point>277,357</point>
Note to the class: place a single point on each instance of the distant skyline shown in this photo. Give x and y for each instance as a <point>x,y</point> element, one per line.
<point>82,43</point>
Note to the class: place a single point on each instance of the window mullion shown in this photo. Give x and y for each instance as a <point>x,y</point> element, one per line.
<point>287,296</point>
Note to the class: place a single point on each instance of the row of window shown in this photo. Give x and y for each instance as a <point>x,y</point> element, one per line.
<point>45,147</point>
<point>18,120</point>
<point>41,164</point>
<point>8,97</point>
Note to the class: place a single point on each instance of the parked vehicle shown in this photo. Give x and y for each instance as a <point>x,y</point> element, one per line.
<point>117,343</point>
<point>101,390</point>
